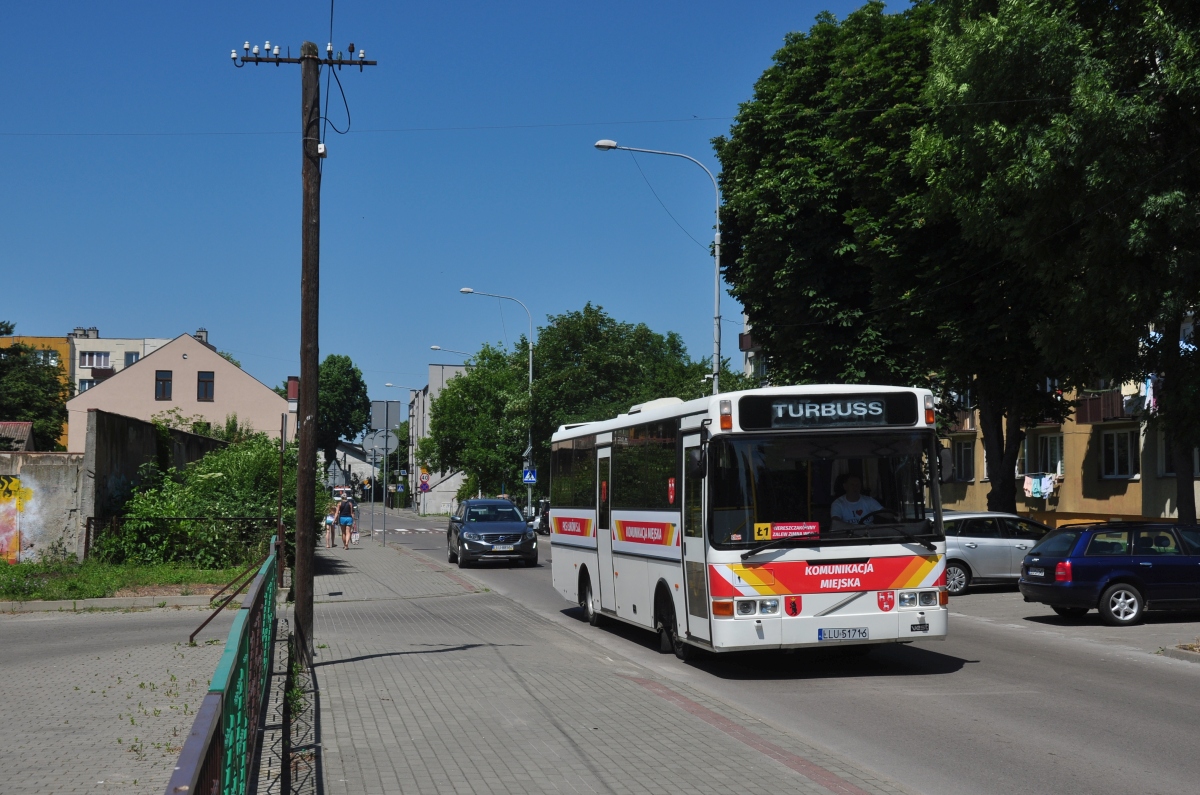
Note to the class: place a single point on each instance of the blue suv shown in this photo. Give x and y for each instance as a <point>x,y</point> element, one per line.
<point>1121,569</point>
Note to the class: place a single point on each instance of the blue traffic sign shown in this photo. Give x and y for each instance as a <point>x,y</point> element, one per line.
<point>529,477</point>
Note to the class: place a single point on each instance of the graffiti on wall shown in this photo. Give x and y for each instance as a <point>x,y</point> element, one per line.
<point>13,498</point>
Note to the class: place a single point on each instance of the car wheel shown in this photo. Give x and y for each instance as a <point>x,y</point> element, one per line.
<point>1121,605</point>
<point>451,555</point>
<point>589,605</point>
<point>461,557</point>
<point>1070,612</point>
<point>958,578</point>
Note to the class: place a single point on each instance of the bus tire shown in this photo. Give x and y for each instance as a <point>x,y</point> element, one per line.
<point>662,606</point>
<point>586,601</point>
<point>669,635</point>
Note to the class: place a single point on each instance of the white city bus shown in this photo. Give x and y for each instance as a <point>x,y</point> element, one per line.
<point>729,523</point>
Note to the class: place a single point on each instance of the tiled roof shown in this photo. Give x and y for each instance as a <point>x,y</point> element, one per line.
<point>21,434</point>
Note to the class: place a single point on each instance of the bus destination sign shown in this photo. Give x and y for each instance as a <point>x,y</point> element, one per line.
<point>761,412</point>
<point>825,412</point>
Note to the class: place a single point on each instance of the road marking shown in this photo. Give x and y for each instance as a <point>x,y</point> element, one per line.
<point>814,772</point>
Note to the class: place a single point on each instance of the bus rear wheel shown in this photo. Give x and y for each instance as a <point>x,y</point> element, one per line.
<point>587,602</point>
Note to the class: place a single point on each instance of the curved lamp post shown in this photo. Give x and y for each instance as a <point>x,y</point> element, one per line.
<point>449,350</point>
<point>607,145</point>
<point>529,449</point>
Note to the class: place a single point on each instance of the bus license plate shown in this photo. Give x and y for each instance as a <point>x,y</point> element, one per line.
<point>502,547</point>
<point>843,633</point>
<point>1037,572</point>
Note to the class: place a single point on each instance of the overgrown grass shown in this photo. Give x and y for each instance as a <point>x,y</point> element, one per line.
<point>94,579</point>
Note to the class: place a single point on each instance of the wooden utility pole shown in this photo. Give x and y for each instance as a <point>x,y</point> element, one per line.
<point>312,150</point>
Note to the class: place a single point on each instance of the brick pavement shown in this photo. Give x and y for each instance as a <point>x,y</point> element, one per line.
<point>432,684</point>
<point>101,701</point>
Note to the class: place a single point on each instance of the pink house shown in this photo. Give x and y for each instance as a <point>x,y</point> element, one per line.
<point>187,375</point>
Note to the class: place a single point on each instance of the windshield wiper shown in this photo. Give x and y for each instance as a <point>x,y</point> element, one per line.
<point>910,536</point>
<point>777,543</point>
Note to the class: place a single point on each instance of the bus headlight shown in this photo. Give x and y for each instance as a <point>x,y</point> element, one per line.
<point>929,598</point>
<point>747,608</point>
<point>768,607</point>
<point>908,599</point>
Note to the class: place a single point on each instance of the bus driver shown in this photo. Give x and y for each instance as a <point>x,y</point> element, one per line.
<point>854,506</point>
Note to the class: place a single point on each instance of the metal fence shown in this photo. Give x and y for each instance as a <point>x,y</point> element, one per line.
<point>219,756</point>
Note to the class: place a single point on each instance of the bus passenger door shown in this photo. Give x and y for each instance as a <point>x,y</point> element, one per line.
<point>695,569</point>
<point>604,535</point>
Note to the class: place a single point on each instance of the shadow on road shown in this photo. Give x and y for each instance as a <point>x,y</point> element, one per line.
<point>892,659</point>
<point>1092,619</point>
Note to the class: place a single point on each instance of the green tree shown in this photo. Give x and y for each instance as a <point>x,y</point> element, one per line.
<point>1064,138</point>
<point>227,356</point>
<point>850,268</point>
<point>33,389</point>
<point>343,408</point>
<point>587,366</point>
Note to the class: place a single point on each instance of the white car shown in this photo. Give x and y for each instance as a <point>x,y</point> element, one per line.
<point>986,547</point>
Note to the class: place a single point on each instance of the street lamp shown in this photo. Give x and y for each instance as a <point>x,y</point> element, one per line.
<point>607,145</point>
<point>438,347</point>
<point>529,449</point>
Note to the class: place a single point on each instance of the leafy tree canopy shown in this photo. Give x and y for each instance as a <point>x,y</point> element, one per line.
<point>32,389</point>
<point>343,408</point>
<point>587,366</point>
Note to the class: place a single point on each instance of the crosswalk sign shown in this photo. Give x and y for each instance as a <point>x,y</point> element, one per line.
<point>529,477</point>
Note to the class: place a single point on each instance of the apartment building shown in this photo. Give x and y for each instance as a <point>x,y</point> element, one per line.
<point>1102,463</point>
<point>96,359</point>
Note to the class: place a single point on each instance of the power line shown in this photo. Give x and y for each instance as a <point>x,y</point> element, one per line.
<point>664,206</point>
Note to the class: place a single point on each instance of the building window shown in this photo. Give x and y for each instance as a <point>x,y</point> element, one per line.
<point>1120,453</point>
<point>204,385</point>
<point>162,384</point>
<point>1022,463</point>
<point>86,383</point>
<point>1167,465</point>
<point>131,357</point>
<point>1050,454</point>
<point>964,461</point>
<point>46,357</point>
<point>93,358</point>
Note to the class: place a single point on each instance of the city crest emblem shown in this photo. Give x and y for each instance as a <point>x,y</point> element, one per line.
<point>887,600</point>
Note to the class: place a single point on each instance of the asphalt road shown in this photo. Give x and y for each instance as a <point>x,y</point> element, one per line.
<point>1016,700</point>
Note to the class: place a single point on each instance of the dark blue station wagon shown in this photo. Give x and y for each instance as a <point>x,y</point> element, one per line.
<point>1120,569</point>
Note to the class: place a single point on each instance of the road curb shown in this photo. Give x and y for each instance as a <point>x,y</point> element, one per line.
<point>111,603</point>
<point>1182,654</point>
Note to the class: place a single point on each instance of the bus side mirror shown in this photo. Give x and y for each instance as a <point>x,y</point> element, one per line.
<point>945,465</point>
<point>696,464</point>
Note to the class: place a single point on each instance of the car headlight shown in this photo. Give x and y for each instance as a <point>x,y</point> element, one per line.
<point>908,599</point>
<point>747,608</point>
<point>530,535</point>
<point>471,536</point>
<point>929,598</point>
<point>768,606</point>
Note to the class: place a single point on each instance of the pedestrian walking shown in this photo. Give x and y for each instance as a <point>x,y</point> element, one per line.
<point>345,513</point>
<point>330,521</point>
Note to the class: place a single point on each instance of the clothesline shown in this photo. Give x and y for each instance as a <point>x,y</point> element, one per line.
<point>1040,484</point>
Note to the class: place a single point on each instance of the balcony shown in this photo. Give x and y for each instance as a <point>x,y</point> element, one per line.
<point>1108,406</point>
<point>964,422</point>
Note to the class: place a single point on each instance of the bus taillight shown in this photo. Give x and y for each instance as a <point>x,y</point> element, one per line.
<point>930,419</point>
<point>727,415</point>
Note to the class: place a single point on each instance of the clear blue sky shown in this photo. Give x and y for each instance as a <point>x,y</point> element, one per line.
<point>156,235</point>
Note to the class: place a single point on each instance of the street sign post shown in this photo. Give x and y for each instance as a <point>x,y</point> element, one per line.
<point>529,477</point>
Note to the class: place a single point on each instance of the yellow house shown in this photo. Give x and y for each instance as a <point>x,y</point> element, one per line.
<point>1102,463</point>
<point>55,350</point>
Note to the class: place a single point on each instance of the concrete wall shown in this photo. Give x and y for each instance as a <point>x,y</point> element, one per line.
<point>40,504</point>
<point>116,449</point>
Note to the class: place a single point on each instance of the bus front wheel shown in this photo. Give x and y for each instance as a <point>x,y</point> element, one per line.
<point>586,601</point>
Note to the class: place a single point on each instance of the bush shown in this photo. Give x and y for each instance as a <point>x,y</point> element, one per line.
<point>183,515</point>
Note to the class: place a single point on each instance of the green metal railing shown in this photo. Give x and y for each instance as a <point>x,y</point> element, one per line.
<point>220,753</point>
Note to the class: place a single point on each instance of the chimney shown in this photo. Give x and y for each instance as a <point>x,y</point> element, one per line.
<point>78,333</point>
<point>293,393</point>
<point>93,333</point>
<point>202,335</point>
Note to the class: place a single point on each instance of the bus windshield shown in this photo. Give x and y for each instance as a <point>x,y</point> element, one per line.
<point>806,490</point>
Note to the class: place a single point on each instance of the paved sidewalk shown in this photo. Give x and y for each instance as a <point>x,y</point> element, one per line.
<point>432,684</point>
<point>100,702</point>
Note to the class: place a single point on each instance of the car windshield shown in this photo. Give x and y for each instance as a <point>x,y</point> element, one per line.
<point>493,513</point>
<point>1056,544</point>
<point>809,489</point>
